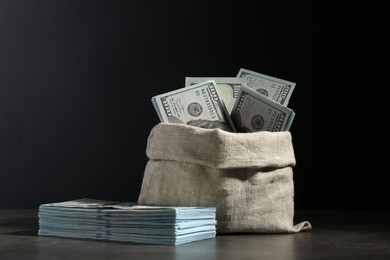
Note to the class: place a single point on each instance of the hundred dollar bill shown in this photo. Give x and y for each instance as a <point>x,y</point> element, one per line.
<point>254,112</point>
<point>227,87</point>
<point>198,105</point>
<point>276,89</point>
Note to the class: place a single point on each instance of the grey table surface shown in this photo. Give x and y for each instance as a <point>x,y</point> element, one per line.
<point>335,235</point>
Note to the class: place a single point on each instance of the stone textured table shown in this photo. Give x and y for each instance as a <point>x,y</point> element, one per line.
<point>335,235</point>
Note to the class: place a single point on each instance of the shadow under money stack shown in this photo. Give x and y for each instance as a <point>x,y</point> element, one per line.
<point>126,222</point>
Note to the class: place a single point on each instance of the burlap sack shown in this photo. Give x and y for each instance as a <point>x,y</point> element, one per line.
<point>248,177</point>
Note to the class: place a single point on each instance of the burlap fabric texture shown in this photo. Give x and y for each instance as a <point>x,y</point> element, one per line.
<point>248,177</point>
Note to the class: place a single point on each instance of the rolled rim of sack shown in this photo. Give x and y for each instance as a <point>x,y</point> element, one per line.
<point>218,148</point>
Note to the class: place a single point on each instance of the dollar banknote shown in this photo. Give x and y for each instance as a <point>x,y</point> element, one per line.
<point>254,112</point>
<point>274,88</point>
<point>227,87</point>
<point>126,221</point>
<point>197,105</point>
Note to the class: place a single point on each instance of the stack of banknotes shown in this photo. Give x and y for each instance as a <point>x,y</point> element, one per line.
<point>126,222</point>
<point>248,102</point>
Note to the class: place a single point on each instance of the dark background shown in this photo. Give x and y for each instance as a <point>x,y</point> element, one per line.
<point>77,77</point>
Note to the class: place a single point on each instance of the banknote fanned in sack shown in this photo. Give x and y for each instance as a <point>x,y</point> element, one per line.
<point>249,102</point>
